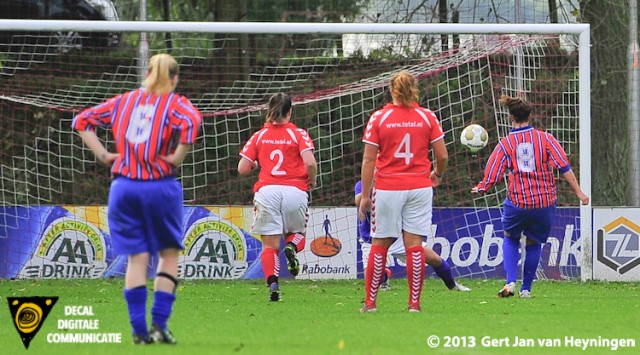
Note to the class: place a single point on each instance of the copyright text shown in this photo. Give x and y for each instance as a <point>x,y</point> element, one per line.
<point>445,341</point>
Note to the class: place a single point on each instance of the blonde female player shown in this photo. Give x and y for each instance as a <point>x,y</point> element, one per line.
<point>287,171</point>
<point>145,200</point>
<point>398,140</point>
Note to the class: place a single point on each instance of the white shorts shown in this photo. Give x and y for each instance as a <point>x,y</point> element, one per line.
<point>280,209</point>
<point>401,210</point>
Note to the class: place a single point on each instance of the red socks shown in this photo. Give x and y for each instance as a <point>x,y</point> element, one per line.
<point>270,263</point>
<point>375,270</point>
<point>415,274</point>
<point>298,239</point>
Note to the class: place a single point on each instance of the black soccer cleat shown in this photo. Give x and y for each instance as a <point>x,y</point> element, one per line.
<point>163,336</point>
<point>274,292</point>
<point>292,261</point>
<point>141,340</point>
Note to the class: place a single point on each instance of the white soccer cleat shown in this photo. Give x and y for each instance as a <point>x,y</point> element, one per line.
<point>385,285</point>
<point>461,288</point>
<point>368,308</point>
<point>525,294</point>
<point>508,290</point>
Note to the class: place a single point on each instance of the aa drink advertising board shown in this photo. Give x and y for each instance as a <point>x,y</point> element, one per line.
<point>74,242</point>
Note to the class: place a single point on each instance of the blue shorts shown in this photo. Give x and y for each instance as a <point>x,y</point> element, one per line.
<point>145,216</point>
<point>534,223</point>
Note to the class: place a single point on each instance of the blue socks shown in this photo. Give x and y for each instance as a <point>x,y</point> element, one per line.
<point>511,254</point>
<point>137,303</point>
<point>444,272</point>
<point>531,261</point>
<point>161,309</point>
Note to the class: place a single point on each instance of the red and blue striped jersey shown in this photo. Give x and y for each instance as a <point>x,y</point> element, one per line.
<point>144,126</point>
<point>528,154</point>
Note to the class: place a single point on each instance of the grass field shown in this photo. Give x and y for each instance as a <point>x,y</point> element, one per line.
<point>235,317</point>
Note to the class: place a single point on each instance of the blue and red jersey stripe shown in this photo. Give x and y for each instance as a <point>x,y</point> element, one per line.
<point>144,126</point>
<point>528,154</point>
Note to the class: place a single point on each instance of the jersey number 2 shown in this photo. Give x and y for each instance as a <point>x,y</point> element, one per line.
<point>277,154</point>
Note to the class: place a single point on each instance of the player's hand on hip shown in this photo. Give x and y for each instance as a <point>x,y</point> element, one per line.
<point>171,159</point>
<point>435,180</point>
<point>108,158</point>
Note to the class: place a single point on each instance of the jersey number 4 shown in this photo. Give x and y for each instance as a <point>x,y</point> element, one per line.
<point>404,149</point>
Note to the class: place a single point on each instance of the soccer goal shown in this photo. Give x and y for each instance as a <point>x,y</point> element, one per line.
<point>53,194</point>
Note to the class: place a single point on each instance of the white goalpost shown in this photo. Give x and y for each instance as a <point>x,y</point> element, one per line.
<point>52,191</point>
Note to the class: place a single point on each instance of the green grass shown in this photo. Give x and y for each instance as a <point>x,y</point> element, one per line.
<point>235,317</point>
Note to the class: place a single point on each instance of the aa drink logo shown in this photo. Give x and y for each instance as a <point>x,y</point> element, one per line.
<point>619,245</point>
<point>28,314</point>
<point>214,249</point>
<point>68,248</point>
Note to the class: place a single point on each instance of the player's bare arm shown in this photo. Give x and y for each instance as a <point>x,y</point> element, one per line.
<point>91,140</point>
<point>312,167</point>
<point>178,156</point>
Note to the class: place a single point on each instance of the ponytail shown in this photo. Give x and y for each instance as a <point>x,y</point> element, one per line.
<point>404,88</point>
<point>518,107</point>
<point>279,108</point>
<point>162,69</point>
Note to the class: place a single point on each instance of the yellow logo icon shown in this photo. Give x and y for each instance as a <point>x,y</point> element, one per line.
<point>28,314</point>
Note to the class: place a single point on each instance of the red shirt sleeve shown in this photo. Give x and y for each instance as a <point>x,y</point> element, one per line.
<point>250,150</point>
<point>305,142</point>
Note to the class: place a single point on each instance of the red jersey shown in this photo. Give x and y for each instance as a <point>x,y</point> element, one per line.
<point>278,149</point>
<point>144,126</point>
<point>403,136</point>
<point>529,154</point>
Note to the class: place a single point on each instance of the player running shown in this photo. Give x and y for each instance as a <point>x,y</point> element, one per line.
<point>153,129</point>
<point>398,140</point>
<point>440,266</point>
<point>531,201</point>
<point>288,170</point>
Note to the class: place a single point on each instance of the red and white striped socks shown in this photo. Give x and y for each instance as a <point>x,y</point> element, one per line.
<point>415,274</point>
<point>375,272</point>
<point>270,263</point>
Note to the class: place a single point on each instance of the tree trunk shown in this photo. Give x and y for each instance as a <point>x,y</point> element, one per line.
<point>166,16</point>
<point>233,60</point>
<point>609,100</point>
<point>442,17</point>
<point>553,11</point>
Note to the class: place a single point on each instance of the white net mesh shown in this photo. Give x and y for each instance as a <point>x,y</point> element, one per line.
<point>337,81</point>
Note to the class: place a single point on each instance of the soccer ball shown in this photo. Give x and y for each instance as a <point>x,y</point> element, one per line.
<point>474,137</point>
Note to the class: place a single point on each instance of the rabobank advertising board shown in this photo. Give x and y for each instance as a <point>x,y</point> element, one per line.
<point>53,242</point>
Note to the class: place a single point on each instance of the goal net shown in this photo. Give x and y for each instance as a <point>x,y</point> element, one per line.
<point>53,194</point>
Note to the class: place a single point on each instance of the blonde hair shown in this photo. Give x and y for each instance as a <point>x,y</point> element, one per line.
<point>162,69</point>
<point>518,107</point>
<point>279,108</point>
<point>404,88</point>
